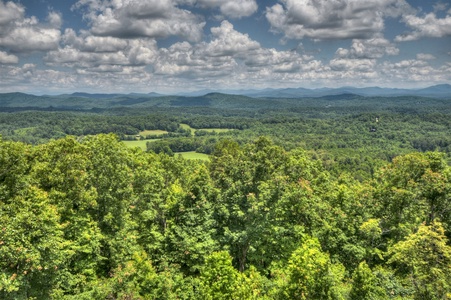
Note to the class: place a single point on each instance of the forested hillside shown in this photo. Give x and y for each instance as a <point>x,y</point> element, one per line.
<point>93,219</point>
<point>336,197</point>
<point>347,132</point>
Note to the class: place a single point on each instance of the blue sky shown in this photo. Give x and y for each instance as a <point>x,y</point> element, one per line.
<point>168,46</point>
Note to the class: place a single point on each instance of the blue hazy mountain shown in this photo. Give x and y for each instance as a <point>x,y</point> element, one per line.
<point>439,91</point>
<point>81,100</point>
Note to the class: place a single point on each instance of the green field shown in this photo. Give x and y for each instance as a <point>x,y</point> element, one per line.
<point>152,132</point>
<point>141,143</point>
<point>193,155</point>
<point>186,126</point>
<point>188,155</point>
<point>217,130</point>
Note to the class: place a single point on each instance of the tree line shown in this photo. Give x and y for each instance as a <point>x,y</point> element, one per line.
<point>88,218</point>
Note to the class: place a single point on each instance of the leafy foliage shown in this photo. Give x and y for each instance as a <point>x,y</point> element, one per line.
<point>323,208</point>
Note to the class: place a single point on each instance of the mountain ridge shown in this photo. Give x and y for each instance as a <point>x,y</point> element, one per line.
<point>438,91</point>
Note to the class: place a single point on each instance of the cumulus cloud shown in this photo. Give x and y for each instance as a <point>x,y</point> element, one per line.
<point>375,47</point>
<point>101,53</point>
<point>89,43</point>
<point>347,64</point>
<point>427,26</point>
<point>55,19</point>
<point>17,75</point>
<point>425,56</point>
<point>272,61</point>
<point>134,18</point>
<point>21,34</point>
<point>229,42</point>
<point>29,78</point>
<point>9,12</point>
<point>230,54</point>
<point>440,6</point>
<point>335,19</point>
<point>234,9</point>
<point>28,39</point>
<point>238,8</point>
<point>70,57</point>
<point>415,70</point>
<point>6,58</point>
<point>232,57</point>
<point>186,60</point>
<point>119,50</point>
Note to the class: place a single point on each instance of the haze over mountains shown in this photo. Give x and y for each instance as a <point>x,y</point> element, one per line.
<point>440,91</point>
<point>251,99</point>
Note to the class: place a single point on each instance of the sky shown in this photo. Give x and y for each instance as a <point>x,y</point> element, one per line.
<point>171,46</point>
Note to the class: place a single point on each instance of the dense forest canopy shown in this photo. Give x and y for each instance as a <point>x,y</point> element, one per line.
<point>325,198</point>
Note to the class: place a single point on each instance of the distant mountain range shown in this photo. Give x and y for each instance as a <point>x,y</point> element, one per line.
<point>109,96</point>
<point>436,96</point>
<point>438,91</point>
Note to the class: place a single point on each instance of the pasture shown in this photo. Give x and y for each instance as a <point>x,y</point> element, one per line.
<point>193,130</point>
<point>145,133</point>
<point>217,130</point>
<point>138,143</point>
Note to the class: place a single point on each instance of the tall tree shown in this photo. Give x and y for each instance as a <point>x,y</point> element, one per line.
<point>311,275</point>
<point>32,247</point>
<point>250,182</point>
<point>424,258</point>
<point>412,190</point>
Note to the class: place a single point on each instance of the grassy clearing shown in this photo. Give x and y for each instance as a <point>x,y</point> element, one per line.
<point>193,130</point>
<point>193,155</point>
<point>186,126</point>
<point>152,132</point>
<point>141,143</point>
<point>217,130</point>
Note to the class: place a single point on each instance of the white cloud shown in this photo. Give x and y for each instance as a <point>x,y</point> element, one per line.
<point>234,9</point>
<point>375,47</point>
<point>89,43</point>
<point>28,39</point>
<point>238,8</point>
<point>20,34</point>
<point>359,63</point>
<point>6,58</point>
<point>229,42</point>
<point>230,54</point>
<point>9,12</point>
<point>346,64</point>
<point>425,56</point>
<point>414,71</point>
<point>17,75</point>
<point>70,57</point>
<point>134,18</point>
<point>440,6</point>
<point>142,52</point>
<point>55,19</point>
<point>119,50</point>
<point>100,53</point>
<point>427,26</point>
<point>335,19</point>
<point>273,61</point>
<point>412,63</point>
<point>186,60</point>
